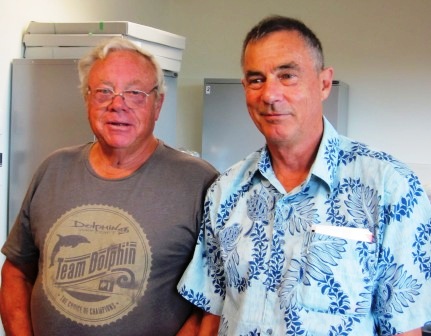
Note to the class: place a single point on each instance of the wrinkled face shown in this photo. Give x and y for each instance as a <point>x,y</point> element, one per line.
<point>283,88</point>
<point>117,123</point>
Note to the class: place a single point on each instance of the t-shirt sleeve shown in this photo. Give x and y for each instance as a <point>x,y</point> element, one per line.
<point>20,247</point>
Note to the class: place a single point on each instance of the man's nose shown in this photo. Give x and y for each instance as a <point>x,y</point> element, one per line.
<point>118,101</point>
<point>272,91</point>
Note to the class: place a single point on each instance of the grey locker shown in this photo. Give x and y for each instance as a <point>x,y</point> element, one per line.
<point>229,134</point>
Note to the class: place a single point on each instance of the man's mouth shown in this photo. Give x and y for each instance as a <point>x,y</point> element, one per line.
<point>118,123</point>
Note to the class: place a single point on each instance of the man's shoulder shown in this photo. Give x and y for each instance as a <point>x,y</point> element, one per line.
<point>239,175</point>
<point>358,160</point>
<point>64,156</point>
<point>356,151</point>
<point>184,162</point>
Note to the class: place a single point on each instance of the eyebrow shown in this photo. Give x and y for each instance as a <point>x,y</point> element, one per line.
<point>253,73</point>
<point>135,82</point>
<point>107,83</point>
<point>288,66</point>
<point>291,65</point>
<point>132,83</point>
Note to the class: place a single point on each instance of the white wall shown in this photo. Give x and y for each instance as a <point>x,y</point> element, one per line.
<point>380,48</point>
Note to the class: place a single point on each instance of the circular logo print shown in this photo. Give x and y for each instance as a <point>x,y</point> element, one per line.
<point>97,264</point>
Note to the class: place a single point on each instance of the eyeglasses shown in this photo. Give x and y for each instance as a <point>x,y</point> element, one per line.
<point>132,98</point>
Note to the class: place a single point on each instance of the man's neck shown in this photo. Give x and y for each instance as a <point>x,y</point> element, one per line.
<point>119,163</point>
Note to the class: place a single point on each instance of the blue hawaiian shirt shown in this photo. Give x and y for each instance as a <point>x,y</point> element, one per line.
<point>348,252</point>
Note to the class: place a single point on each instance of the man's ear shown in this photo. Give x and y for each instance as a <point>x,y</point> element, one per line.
<point>158,105</point>
<point>326,76</point>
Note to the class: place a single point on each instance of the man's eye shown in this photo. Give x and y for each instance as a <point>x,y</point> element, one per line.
<point>255,83</point>
<point>255,80</point>
<point>104,91</point>
<point>133,92</point>
<point>287,78</point>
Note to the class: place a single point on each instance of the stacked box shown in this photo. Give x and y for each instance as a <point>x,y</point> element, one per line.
<point>73,40</point>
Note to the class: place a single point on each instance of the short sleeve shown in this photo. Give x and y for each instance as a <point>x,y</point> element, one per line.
<point>201,283</point>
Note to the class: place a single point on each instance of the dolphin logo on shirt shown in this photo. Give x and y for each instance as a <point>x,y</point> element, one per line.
<point>67,241</point>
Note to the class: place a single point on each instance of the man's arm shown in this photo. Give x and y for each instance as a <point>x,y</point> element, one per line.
<point>416,332</point>
<point>210,324</point>
<point>192,325</point>
<point>15,292</point>
<point>200,323</point>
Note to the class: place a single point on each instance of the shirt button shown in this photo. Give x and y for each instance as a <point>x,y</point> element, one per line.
<point>269,331</point>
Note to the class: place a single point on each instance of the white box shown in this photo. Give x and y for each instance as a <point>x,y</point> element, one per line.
<point>90,40</point>
<point>65,40</point>
<point>56,52</point>
<point>169,63</point>
<point>109,27</point>
<point>77,52</point>
<point>72,40</point>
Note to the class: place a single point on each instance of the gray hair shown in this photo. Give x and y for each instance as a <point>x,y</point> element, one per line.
<point>277,23</point>
<point>102,50</point>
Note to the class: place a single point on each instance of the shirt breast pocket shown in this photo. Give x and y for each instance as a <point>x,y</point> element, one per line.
<point>337,275</point>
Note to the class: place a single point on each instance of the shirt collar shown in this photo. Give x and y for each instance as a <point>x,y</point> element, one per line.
<point>326,163</point>
<point>324,166</point>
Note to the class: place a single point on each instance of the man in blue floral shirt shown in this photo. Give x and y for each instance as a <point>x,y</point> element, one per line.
<point>314,234</point>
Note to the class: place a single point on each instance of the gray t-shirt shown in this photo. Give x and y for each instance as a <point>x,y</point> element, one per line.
<point>110,252</point>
